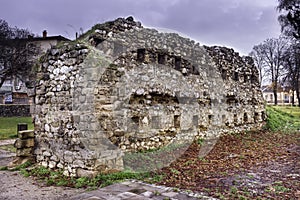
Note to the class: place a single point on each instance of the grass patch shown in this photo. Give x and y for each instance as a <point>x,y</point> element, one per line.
<point>56,177</point>
<point>282,118</point>
<point>154,159</point>
<point>292,110</point>
<point>277,187</point>
<point>22,166</point>
<point>9,148</point>
<point>3,168</point>
<point>8,126</point>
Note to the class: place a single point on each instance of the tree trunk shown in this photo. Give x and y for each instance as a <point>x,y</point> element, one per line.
<point>275,93</point>
<point>275,97</point>
<point>293,97</point>
<point>298,94</point>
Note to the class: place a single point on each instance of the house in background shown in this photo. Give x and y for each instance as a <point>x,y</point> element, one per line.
<point>284,95</point>
<point>6,92</point>
<point>13,90</point>
<point>46,42</point>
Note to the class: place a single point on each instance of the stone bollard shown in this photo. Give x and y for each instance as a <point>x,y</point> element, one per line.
<point>24,145</point>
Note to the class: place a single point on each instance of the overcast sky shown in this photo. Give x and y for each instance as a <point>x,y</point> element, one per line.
<point>239,24</point>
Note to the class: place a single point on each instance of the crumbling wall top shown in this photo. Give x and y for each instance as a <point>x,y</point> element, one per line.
<point>100,32</point>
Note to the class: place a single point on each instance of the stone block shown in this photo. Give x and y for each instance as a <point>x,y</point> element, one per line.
<point>78,163</point>
<point>86,173</point>
<point>19,161</point>
<point>54,158</point>
<point>52,164</point>
<point>26,134</point>
<point>24,143</point>
<point>128,195</point>
<point>46,153</point>
<point>25,152</point>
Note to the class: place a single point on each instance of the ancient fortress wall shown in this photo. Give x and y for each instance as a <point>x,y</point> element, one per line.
<point>123,88</point>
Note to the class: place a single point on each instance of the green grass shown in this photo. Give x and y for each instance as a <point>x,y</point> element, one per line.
<point>8,147</point>
<point>292,110</point>
<point>154,159</point>
<point>8,126</point>
<point>56,177</point>
<point>283,118</point>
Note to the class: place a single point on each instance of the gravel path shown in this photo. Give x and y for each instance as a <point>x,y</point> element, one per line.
<point>6,142</point>
<point>14,186</point>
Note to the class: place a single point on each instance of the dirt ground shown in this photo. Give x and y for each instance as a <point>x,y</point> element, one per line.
<point>256,165</point>
<point>14,186</point>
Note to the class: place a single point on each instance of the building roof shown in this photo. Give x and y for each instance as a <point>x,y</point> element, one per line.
<point>59,37</point>
<point>280,88</point>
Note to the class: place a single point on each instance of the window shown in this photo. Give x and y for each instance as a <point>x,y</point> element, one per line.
<point>135,123</point>
<point>210,118</point>
<point>236,76</point>
<point>263,115</point>
<point>195,120</point>
<point>253,78</point>
<point>177,121</point>
<point>235,118</point>
<point>195,70</point>
<point>177,63</point>
<point>245,78</point>
<point>161,59</point>
<point>286,98</point>
<point>245,118</point>
<point>223,119</point>
<point>256,117</point>
<point>224,74</point>
<point>141,55</point>
<point>271,97</point>
<point>7,83</point>
<point>155,122</point>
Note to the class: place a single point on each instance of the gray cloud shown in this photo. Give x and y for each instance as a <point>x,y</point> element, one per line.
<point>236,23</point>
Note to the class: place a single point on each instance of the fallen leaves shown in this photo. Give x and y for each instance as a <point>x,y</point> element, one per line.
<point>267,156</point>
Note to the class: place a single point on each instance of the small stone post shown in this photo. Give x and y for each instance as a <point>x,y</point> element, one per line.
<point>24,145</point>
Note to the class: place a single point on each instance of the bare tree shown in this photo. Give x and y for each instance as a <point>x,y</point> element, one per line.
<point>290,19</point>
<point>292,66</point>
<point>258,59</point>
<point>290,24</point>
<point>271,54</point>
<point>16,53</point>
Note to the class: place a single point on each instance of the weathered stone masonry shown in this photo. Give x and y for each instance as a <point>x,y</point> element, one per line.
<point>14,110</point>
<point>122,87</point>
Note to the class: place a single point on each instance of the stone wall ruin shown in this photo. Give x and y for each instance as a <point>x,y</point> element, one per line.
<point>125,88</point>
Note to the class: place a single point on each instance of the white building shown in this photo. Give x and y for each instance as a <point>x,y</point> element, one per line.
<point>284,95</point>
